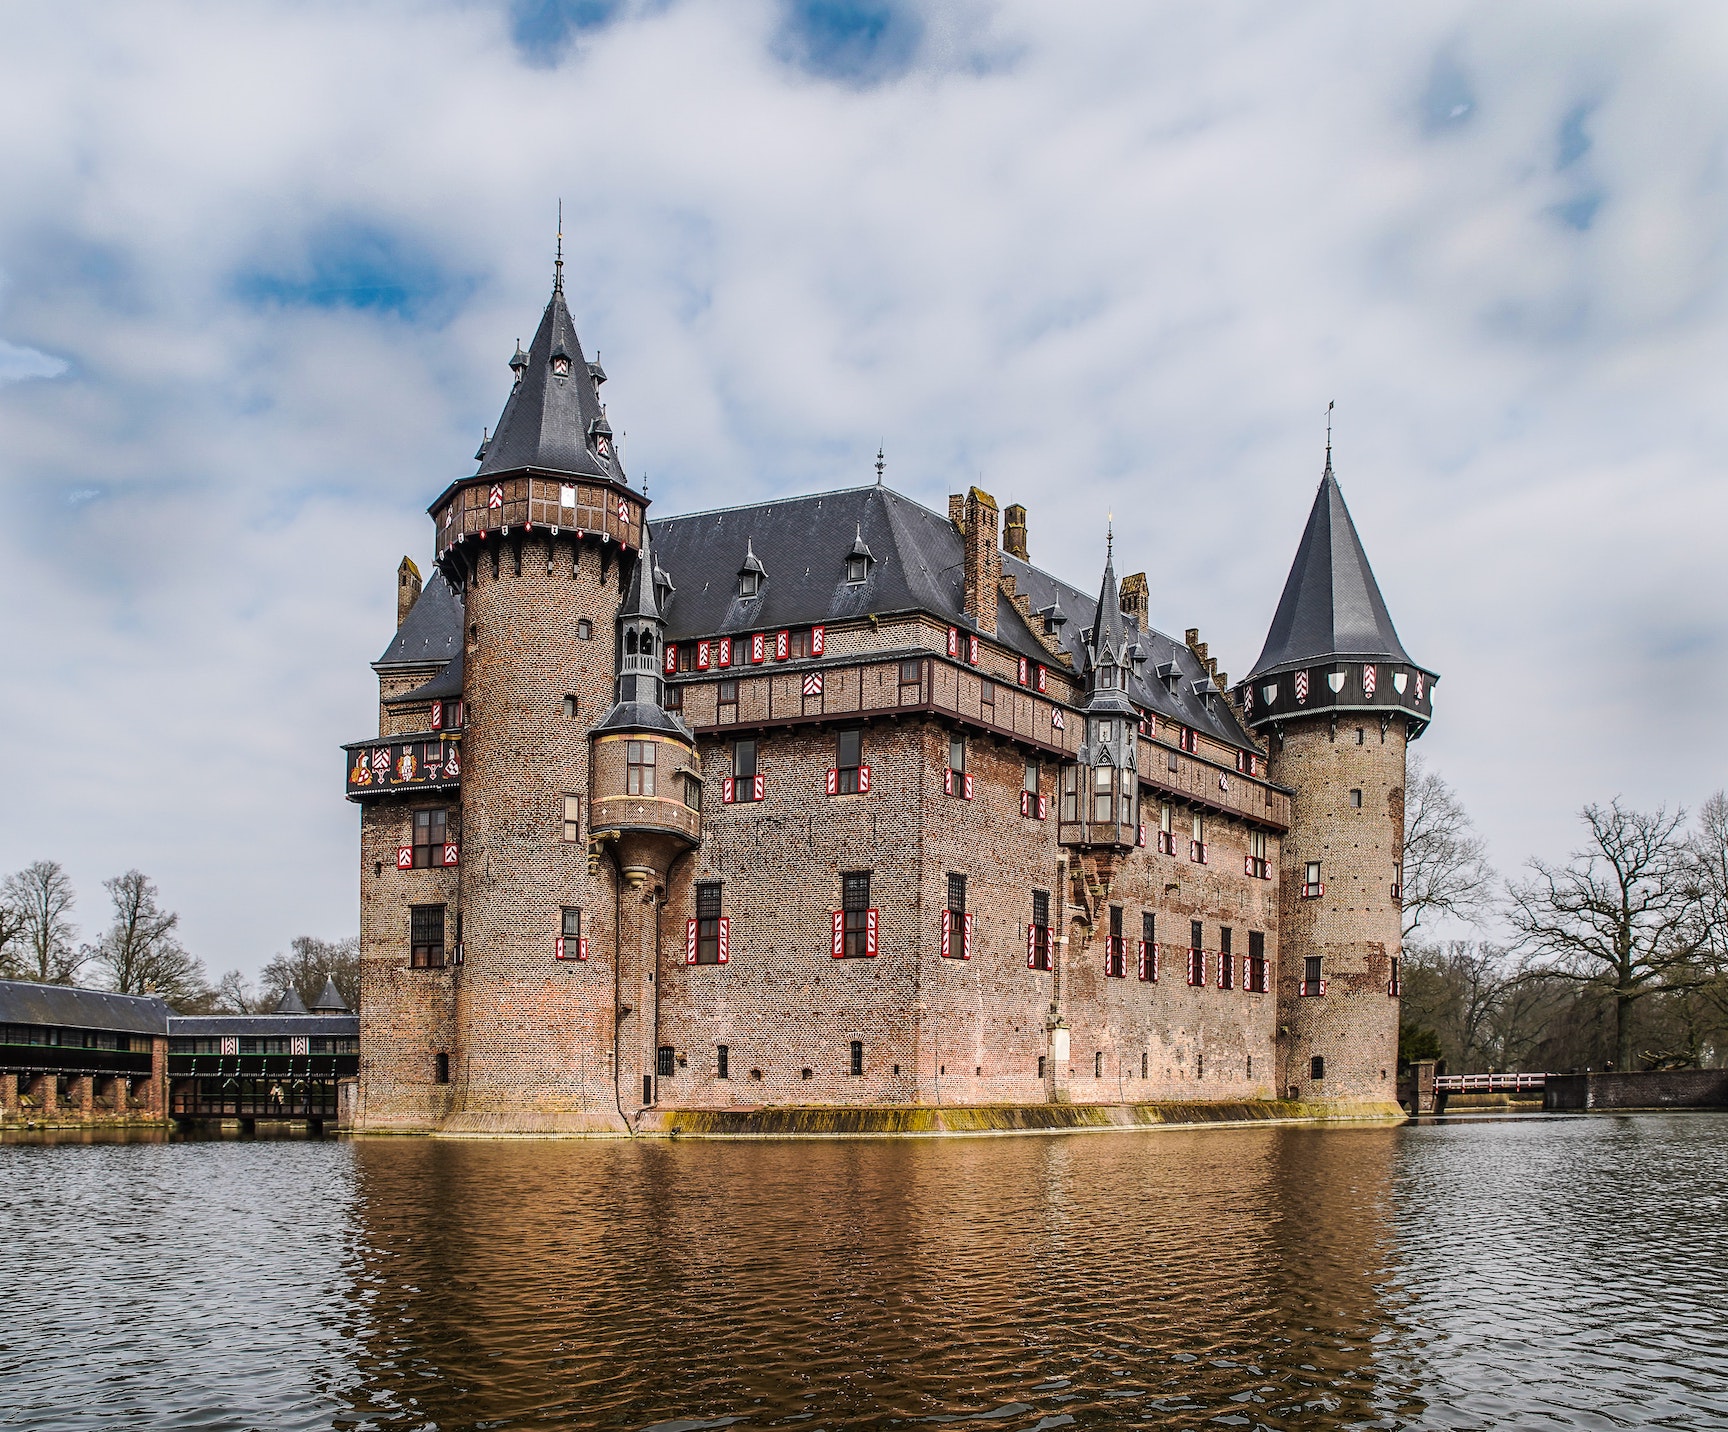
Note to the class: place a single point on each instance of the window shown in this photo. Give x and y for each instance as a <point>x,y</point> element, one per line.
<point>1040,1066</point>
<point>956,894</point>
<point>440,1068</point>
<point>910,676</point>
<point>1030,784</point>
<point>1312,888</point>
<point>1103,795</point>
<point>708,896</point>
<point>1098,1065</point>
<point>665,1061</point>
<point>569,708</point>
<point>1038,943</point>
<point>848,757</point>
<point>1196,953</point>
<point>1070,793</point>
<point>1317,1067</point>
<point>1356,799</point>
<point>857,568</point>
<point>433,829</point>
<point>749,583</point>
<point>1115,949</point>
<point>570,923</point>
<point>1144,1061</point>
<point>572,817</point>
<point>1395,986</point>
<point>744,770</point>
<point>1226,959</point>
<point>426,936</point>
<point>855,914</point>
<point>1257,864</point>
<point>692,790</point>
<point>800,643</point>
<point>673,699</point>
<point>639,768</point>
<point>1359,736</point>
<point>686,656</point>
<point>584,630</point>
<point>1256,962</point>
<point>727,700</point>
<point>957,754</point>
<point>722,1061</point>
<point>1197,838</point>
<point>1312,984</point>
<point>857,1058</point>
<point>1398,880</point>
<point>1188,739</point>
<point>987,699</point>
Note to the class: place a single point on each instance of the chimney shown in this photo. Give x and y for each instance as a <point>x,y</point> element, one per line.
<point>980,537</point>
<point>407,589</point>
<point>1014,531</point>
<point>1136,604</point>
<point>957,510</point>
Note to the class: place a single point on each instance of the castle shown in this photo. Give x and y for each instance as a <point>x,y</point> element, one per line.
<point>839,801</point>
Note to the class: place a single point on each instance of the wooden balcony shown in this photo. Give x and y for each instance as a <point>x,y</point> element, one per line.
<point>586,506</point>
<point>427,761</point>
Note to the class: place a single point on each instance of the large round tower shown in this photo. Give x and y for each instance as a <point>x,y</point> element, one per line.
<point>1338,700</point>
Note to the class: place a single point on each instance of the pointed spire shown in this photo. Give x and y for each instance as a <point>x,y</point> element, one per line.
<point>290,1003</point>
<point>642,600</point>
<point>1109,628</point>
<point>1331,607</point>
<point>881,463</point>
<point>330,999</point>
<point>558,263</point>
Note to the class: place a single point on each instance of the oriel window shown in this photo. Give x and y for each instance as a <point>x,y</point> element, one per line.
<point>910,674</point>
<point>639,768</point>
<point>1103,795</point>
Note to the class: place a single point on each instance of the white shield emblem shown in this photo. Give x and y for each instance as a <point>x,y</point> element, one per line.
<point>1269,692</point>
<point>1335,679</point>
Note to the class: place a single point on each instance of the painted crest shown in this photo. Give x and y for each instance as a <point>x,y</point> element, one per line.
<point>813,684</point>
<point>1301,687</point>
<point>495,498</point>
<point>1335,679</point>
<point>1056,720</point>
<point>1369,679</point>
<point>1400,679</point>
<point>1418,685</point>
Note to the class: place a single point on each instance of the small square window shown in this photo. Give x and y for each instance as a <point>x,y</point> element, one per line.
<point>572,817</point>
<point>570,924</point>
<point>1356,799</point>
<point>569,708</point>
<point>584,630</point>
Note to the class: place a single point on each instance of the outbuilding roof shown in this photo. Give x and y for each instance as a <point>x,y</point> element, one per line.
<point>25,1002</point>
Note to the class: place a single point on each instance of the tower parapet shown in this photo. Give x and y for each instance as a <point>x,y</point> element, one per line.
<point>1338,699</point>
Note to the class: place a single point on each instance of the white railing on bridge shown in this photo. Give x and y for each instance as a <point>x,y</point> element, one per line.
<point>1488,1083</point>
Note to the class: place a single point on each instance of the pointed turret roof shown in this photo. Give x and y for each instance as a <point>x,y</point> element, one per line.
<point>554,408</point>
<point>1331,607</point>
<point>642,599</point>
<point>1110,628</point>
<point>290,1003</point>
<point>330,999</point>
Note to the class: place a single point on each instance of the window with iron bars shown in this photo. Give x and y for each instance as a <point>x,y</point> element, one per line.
<point>426,936</point>
<point>708,896</point>
<point>1115,950</point>
<point>1039,956</point>
<point>855,912</point>
<point>1196,954</point>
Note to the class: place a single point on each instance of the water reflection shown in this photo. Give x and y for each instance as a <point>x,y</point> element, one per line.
<point>1002,1282</point>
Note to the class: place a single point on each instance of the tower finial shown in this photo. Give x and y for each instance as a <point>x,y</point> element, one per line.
<point>1329,406</point>
<point>558,263</point>
<point>1109,535</point>
<point>880,464</point>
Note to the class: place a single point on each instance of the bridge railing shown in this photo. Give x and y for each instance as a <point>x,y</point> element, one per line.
<point>1489,1083</point>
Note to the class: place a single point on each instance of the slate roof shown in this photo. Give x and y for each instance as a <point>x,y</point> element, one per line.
<point>330,999</point>
<point>432,631</point>
<point>1331,607</point>
<point>446,685</point>
<point>290,1003</point>
<point>23,1002</point>
<point>186,1025</point>
<point>547,419</point>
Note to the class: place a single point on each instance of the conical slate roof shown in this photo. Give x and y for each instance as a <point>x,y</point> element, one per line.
<point>641,600</point>
<point>1331,607</point>
<point>290,1003</point>
<point>1110,630</point>
<point>552,420</point>
<point>329,1000</point>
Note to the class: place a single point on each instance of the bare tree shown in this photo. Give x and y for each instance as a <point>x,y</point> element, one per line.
<point>140,953</point>
<point>1709,853</point>
<point>1446,869</point>
<point>307,964</point>
<point>1457,990</point>
<point>1620,918</point>
<point>233,994</point>
<point>41,898</point>
<point>11,938</point>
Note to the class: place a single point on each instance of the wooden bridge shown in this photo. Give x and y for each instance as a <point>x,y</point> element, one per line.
<point>1489,1083</point>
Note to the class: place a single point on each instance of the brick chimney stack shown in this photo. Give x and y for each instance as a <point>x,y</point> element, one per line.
<point>1136,603</point>
<point>407,589</point>
<point>1014,531</point>
<point>980,534</point>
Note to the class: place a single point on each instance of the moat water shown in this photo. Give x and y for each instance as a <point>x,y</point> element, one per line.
<point>1524,1272</point>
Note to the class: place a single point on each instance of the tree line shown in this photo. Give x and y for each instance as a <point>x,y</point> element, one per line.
<point>1614,958</point>
<point>140,951</point>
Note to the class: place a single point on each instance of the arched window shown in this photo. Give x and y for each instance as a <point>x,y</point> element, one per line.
<point>630,641</point>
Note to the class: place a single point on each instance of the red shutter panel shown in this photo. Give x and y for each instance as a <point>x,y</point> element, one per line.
<point>582,948</point>
<point>817,640</point>
<point>782,645</point>
<point>759,646</point>
<point>870,932</point>
<point>725,651</point>
<point>404,857</point>
<point>758,786</point>
<point>947,933</point>
<point>689,942</point>
<point>1043,678</point>
<point>1142,959</point>
<point>863,779</point>
<point>972,650</point>
<point>968,785</point>
<point>1043,808</point>
<point>704,655</point>
<point>437,715</point>
<point>1140,834</point>
<point>451,852</point>
<point>839,934</point>
<point>670,665</point>
<point>1025,802</point>
<point>557,947</point>
<point>1031,946</point>
<point>728,790</point>
<point>725,939</point>
<point>966,947</point>
<point>833,781</point>
<point>1025,672</point>
<point>954,641</point>
<point>947,780</point>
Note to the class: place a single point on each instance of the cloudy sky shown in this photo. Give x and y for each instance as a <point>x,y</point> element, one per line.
<point>261,269</point>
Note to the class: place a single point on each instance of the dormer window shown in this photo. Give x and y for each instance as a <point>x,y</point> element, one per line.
<point>560,367</point>
<point>751,574</point>
<point>749,584</point>
<point>857,568</point>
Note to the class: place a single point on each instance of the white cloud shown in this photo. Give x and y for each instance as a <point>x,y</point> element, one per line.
<point>1096,257</point>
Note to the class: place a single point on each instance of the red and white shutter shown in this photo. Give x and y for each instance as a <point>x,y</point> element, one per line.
<point>758,785</point>
<point>728,790</point>
<point>1043,807</point>
<point>451,852</point>
<point>972,649</point>
<point>671,664</point>
<point>1043,678</point>
<point>813,684</point>
<point>869,932</point>
<point>231,1044</point>
<point>437,715</point>
<point>1025,671</point>
<point>1140,834</point>
<point>947,933</point>
<point>1369,676</point>
<point>954,641</point>
<point>557,947</point>
<point>582,948</point>
<point>689,942</point>
<point>966,943</point>
<point>725,653</point>
<point>817,640</point>
<point>297,1044</point>
<point>947,780</point>
<point>704,655</point>
<point>1031,946</point>
<point>1143,974</point>
<point>759,646</point>
<point>1056,721</point>
<point>833,781</point>
<point>968,785</point>
<point>782,645</point>
<point>404,857</point>
<point>724,954</point>
<point>863,780</point>
<point>839,934</point>
<point>1025,802</point>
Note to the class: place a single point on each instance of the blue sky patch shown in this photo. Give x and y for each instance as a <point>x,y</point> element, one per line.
<point>857,42</point>
<point>358,266</point>
<point>543,29</point>
<point>1574,142</point>
<point>1579,213</point>
<point>1448,101</point>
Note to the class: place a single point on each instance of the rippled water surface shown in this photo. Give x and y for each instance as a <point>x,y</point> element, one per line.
<point>1527,1272</point>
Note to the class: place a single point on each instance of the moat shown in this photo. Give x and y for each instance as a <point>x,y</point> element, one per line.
<point>1467,1273</point>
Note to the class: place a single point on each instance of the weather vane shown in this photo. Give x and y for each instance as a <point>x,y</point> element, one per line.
<point>880,464</point>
